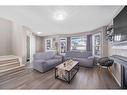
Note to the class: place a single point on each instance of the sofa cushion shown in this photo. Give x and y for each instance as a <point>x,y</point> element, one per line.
<point>44,55</point>
<point>78,54</point>
<point>45,61</point>
<point>40,61</point>
<point>84,58</point>
<point>53,62</point>
<point>85,54</point>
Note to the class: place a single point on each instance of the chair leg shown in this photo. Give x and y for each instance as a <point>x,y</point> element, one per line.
<point>110,71</point>
<point>100,70</point>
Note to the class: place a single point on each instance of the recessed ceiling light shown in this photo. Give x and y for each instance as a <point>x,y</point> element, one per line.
<point>60,15</point>
<point>39,33</point>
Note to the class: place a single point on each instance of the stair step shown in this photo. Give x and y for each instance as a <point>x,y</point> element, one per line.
<point>11,70</point>
<point>10,65</point>
<point>8,59</point>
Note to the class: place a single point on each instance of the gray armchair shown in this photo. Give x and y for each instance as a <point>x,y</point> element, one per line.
<point>46,61</point>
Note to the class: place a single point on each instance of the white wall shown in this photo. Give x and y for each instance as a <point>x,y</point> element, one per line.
<point>39,44</point>
<point>13,40</point>
<point>19,41</point>
<point>5,37</point>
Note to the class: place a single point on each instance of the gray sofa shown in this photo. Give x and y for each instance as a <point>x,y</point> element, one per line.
<point>85,58</point>
<point>46,61</point>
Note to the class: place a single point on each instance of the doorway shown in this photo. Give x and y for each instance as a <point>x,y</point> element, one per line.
<point>28,49</point>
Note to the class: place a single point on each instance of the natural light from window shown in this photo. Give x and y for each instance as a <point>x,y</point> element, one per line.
<point>78,43</point>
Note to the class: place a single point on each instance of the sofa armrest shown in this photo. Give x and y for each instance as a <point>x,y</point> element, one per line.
<point>95,59</point>
<point>39,65</point>
<point>92,59</point>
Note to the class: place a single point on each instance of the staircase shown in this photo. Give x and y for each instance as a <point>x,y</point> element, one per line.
<point>9,64</point>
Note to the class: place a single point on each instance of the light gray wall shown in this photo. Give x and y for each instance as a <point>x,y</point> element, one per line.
<point>5,37</point>
<point>39,44</point>
<point>104,43</point>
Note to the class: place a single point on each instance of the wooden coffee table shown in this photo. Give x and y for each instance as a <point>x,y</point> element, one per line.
<point>66,70</point>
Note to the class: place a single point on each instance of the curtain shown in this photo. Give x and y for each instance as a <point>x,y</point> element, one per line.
<point>68,43</point>
<point>89,43</point>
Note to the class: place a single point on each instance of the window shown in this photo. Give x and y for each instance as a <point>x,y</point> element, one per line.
<point>78,43</point>
<point>97,45</point>
<point>48,44</point>
<point>63,45</point>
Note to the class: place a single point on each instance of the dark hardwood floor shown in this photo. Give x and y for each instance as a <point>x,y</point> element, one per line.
<point>86,78</point>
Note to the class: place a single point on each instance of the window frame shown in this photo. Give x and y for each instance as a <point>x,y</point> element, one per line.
<point>79,37</point>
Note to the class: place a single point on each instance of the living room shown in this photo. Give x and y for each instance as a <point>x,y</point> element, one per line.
<point>36,52</point>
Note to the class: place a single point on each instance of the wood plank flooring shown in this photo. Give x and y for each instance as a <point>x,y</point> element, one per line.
<point>86,78</point>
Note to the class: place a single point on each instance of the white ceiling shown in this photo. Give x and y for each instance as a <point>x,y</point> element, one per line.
<point>78,18</point>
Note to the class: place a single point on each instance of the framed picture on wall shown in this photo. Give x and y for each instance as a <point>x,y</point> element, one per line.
<point>48,44</point>
<point>63,45</point>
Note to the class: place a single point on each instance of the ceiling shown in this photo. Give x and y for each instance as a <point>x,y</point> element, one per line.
<point>75,19</point>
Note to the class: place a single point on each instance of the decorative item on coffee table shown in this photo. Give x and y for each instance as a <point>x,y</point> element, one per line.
<point>67,70</point>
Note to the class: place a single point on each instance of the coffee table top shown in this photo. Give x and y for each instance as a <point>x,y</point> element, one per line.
<point>69,66</point>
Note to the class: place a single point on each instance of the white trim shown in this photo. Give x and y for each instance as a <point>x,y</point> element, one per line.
<point>32,49</point>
